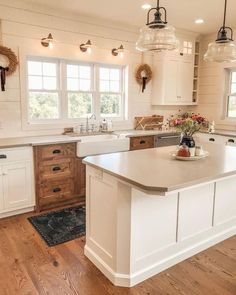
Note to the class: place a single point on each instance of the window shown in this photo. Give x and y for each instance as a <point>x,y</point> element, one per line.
<point>187,47</point>
<point>85,88</point>
<point>110,91</point>
<point>43,90</point>
<point>231,96</point>
<point>79,90</point>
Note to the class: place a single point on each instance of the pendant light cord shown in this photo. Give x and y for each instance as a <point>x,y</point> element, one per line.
<point>225,14</point>
<point>158,3</point>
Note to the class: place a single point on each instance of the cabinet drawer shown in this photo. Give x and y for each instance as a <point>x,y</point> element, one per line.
<point>61,188</point>
<point>56,151</point>
<point>56,168</point>
<point>15,154</point>
<point>142,142</point>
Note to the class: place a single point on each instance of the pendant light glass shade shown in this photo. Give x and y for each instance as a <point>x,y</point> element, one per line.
<point>157,35</point>
<point>221,52</point>
<point>157,39</point>
<point>224,48</point>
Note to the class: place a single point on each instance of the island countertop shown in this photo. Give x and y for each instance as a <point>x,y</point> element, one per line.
<point>155,170</point>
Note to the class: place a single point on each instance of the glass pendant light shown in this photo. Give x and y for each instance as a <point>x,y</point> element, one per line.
<point>224,48</point>
<point>157,35</point>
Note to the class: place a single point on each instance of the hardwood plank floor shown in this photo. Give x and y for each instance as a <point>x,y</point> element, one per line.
<point>28,266</point>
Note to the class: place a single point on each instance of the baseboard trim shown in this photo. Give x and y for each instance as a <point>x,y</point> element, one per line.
<point>16,212</point>
<point>126,280</point>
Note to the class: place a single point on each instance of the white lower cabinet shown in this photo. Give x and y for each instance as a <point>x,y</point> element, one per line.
<point>212,138</point>
<point>16,181</point>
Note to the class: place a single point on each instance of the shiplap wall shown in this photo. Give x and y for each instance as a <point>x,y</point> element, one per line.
<point>212,88</point>
<point>23,26</point>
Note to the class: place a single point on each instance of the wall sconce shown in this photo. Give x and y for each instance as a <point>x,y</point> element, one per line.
<point>118,51</point>
<point>47,42</point>
<point>87,47</point>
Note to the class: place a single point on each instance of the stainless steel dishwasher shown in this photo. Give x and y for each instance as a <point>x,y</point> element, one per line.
<point>167,140</point>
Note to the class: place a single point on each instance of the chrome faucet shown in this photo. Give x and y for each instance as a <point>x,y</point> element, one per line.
<point>93,116</point>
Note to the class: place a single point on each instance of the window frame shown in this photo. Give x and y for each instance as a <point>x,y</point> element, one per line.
<point>229,94</point>
<point>63,91</point>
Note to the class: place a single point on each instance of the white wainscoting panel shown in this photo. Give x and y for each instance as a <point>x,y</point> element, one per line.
<point>225,201</point>
<point>195,211</point>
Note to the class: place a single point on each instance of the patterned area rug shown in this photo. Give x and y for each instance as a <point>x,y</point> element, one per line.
<point>60,226</point>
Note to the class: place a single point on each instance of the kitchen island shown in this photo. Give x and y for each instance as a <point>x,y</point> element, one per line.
<point>147,211</point>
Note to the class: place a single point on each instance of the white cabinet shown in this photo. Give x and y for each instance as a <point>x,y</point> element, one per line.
<point>215,138</point>
<point>173,81</point>
<point>1,192</point>
<point>17,185</point>
<point>173,74</point>
<point>16,181</point>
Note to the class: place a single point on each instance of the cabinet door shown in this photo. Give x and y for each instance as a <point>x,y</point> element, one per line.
<point>17,185</point>
<point>1,191</point>
<point>171,81</point>
<point>185,81</point>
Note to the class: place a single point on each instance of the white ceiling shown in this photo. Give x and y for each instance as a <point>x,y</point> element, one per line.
<point>181,13</point>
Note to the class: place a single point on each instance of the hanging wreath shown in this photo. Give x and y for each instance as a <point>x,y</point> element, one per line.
<point>143,75</point>
<point>13,62</point>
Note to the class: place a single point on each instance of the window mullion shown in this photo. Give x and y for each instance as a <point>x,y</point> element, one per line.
<point>63,92</point>
<point>96,92</point>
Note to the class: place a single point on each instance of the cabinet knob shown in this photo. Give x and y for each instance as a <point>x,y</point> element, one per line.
<point>211,139</point>
<point>142,142</point>
<point>3,156</point>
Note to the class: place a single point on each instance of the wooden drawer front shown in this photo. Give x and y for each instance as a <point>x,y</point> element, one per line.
<point>57,151</point>
<point>142,142</point>
<point>56,168</point>
<point>56,190</point>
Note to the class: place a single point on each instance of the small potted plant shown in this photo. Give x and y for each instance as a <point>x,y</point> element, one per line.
<point>188,124</point>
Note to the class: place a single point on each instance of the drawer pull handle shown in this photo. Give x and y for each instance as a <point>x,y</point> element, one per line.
<point>211,139</point>
<point>56,168</point>
<point>56,190</point>
<point>142,142</point>
<point>56,152</point>
<point>231,140</point>
<point>3,156</point>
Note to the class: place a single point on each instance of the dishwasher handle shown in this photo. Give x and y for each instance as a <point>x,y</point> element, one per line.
<point>168,137</point>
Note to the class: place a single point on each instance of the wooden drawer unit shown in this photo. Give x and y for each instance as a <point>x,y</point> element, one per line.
<point>141,142</point>
<point>57,176</point>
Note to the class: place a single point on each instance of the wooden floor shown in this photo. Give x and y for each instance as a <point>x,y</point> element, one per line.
<point>28,266</point>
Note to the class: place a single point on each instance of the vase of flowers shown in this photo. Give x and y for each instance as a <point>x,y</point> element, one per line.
<point>188,124</point>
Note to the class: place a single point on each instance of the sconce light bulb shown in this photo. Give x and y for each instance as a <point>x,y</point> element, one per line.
<point>121,54</point>
<point>50,45</point>
<point>89,50</point>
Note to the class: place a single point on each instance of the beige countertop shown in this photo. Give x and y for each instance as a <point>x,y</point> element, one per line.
<point>228,133</point>
<point>36,140</point>
<point>155,169</point>
<point>133,133</point>
<point>54,139</point>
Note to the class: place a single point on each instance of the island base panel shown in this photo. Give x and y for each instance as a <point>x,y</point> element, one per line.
<point>132,235</point>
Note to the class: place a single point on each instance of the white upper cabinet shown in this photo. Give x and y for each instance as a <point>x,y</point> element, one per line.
<point>173,76</point>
